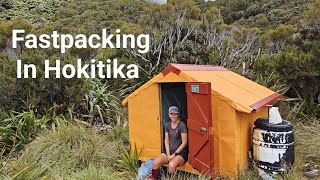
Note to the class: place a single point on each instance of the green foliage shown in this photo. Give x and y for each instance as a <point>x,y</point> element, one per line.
<point>40,93</point>
<point>103,102</point>
<point>277,39</point>
<point>294,57</point>
<point>213,15</point>
<point>281,54</point>
<point>301,70</point>
<point>119,131</point>
<point>66,149</point>
<point>248,175</point>
<point>4,176</point>
<point>273,83</point>
<point>311,15</point>
<point>92,16</point>
<point>36,12</point>
<point>180,175</point>
<point>292,173</point>
<point>128,162</point>
<point>302,108</point>
<point>93,172</point>
<point>19,129</point>
<point>308,141</point>
<point>297,70</point>
<point>275,12</point>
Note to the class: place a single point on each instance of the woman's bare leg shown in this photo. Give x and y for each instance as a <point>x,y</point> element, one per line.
<point>174,163</point>
<point>159,161</point>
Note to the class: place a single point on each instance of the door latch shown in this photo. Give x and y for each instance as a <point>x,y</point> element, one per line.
<point>203,129</point>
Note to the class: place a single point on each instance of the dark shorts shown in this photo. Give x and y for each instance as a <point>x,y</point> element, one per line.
<point>183,155</point>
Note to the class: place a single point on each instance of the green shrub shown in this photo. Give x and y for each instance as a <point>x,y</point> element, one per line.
<point>38,93</point>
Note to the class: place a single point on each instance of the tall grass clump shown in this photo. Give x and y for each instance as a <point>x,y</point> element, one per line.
<point>181,175</point>
<point>307,139</point>
<point>93,172</point>
<point>248,175</point>
<point>272,82</point>
<point>66,149</point>
<point>4,176</point>
<point>128,163</point>
<point>103,102</point>
<point>19,128</point>
<point>119,131</point>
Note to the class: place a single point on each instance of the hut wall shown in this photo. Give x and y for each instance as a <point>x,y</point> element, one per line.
<point>224,133</point>
<point>245,124</point>
<point>144,122</point>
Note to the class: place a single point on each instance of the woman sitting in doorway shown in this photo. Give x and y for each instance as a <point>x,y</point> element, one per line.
<point>176,151</point>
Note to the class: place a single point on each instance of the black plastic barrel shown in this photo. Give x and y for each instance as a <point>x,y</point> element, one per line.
<point>273,146</point>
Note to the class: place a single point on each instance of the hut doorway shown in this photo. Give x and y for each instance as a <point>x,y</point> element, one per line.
<point>172,94</point>
<point>194,102</point>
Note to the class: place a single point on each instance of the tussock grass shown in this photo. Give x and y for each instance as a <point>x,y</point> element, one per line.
<point>248,175</point>
<point>307,139</point>
<point>179,175</point>
<point>291,174</point>
<point>67,149</point>
<point>119,131</point>
<point>92,172</point>
<point>128,163</point>
<point>74,152</point>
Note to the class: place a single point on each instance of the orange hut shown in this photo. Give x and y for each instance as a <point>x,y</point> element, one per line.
<point>218,106</point>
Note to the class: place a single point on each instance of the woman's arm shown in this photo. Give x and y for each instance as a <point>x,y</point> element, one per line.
<point>166,143</point>
<point>184,138</point>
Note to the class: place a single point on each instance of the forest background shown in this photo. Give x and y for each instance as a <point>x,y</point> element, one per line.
<point>275,43</point>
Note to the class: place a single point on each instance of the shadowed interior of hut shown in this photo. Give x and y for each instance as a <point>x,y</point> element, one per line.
<point>172,94</point>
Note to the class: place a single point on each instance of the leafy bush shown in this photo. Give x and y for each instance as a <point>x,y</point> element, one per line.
<point>36,12</point>
<point>38,93</point>
<point>7,4</point>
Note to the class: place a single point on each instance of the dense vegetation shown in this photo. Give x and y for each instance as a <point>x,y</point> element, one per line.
<point>273,42</point>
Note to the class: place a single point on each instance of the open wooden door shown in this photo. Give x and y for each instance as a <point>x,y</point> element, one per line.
<point>199,125</point>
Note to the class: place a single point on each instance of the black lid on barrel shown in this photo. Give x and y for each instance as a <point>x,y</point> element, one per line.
<point>263,123</point>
